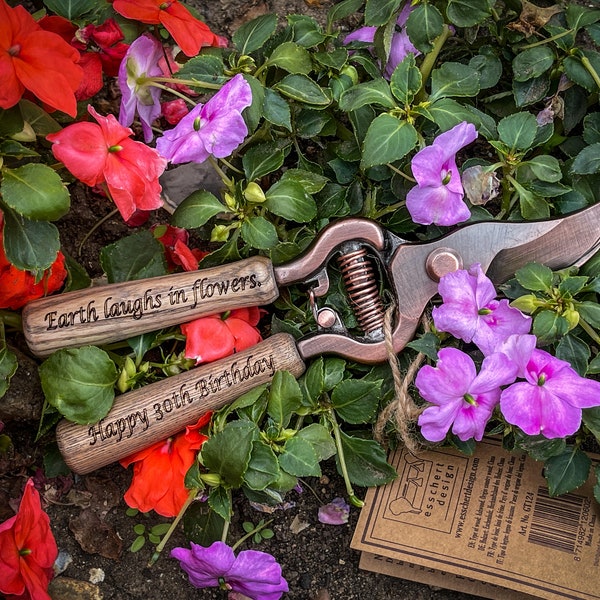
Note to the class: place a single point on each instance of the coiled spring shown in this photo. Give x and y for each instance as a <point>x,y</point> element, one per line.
<point>361,286</point>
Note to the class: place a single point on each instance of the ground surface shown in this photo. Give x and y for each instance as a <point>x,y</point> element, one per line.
<point>89,511</point>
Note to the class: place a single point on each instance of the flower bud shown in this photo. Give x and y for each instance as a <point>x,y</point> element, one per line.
<point>230,201</point>
<point>211,479</point>
<point>254,193</point>
<point>572,317</point>
<point>220,233</point>
<point>527,304</point>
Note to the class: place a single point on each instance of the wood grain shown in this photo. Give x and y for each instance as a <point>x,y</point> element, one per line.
<point>108,313</point>
<point>157,411</point>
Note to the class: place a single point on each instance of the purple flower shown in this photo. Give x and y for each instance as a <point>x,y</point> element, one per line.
<point>252,573</point>
<point>140,62</point>
<point>216,127</point>
<point>400,45</point>
<point>438,196</point>
<point>461,399</point>
<point>471,312</point>
<point>550,400</point>
<point>334,513</point>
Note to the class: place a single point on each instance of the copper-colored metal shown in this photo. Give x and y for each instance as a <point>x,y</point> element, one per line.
<point>442,261</point>
<point>362,289</point>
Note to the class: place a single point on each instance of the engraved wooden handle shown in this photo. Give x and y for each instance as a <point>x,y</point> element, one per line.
<point>105,314</point>
<point>153,413</point>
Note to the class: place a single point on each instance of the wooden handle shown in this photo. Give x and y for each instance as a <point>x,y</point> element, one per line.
<point>153,413</point>
<point>105,314</point>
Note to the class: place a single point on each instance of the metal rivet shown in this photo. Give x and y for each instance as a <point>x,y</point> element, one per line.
<point>326,318</point>
<point>441,261</point>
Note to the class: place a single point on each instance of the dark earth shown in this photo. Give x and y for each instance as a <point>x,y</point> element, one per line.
<point>89,511</point>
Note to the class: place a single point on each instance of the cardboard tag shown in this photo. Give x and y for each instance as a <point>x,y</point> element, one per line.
<point>486,517</point>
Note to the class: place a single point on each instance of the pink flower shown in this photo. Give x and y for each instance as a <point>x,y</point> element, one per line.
<point>462,399</point>
<point>255,574</point>
<point>216,128</point>
<point>104,154</point>
<point>471,312</point>
<point>438,196</point>
<point>550,400</point>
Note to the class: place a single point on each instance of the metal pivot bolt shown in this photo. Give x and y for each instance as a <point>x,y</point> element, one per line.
<point>441,261</point>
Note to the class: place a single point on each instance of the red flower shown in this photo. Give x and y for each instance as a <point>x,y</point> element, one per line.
<point>17,287</point>
<point>159,471</point>
<point>35,60</point>
<point>177,251</point>
<point>189,33</point>
<point>27,550</point>
<point>211,338</point>
<point>106,154</point>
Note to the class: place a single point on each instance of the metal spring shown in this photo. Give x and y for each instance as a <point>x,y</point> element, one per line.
<point>361,286</point>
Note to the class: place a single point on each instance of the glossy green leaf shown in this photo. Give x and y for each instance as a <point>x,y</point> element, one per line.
<point>366,462</point>
<point>299,458</point>
<point>35,191</point>
<point>71,9</point>
<point>219,501</point>
<point>253,34</point>
<point>311,182</point>
<point>276,110</point>
<point>388,139</point>
<point>489,67</point>
<point>567,471</point>
<point>406,80</point>
<point>518,130</point>
<point>320,439</point>
<point>356,401</point>
<point>575,351</point>
<point>263,468</point>
<point>532,62</point>
<point>590,312</point>
<point>545,167</point>
<point>303,89</point>
<point>11,121</point>
<point>341,10</point>
<point>285,397</point>
<point>259,233</point>
<point>371,92</point>
<point>306,31</point>
<point>591,128</point>
<point>79,383</point>
<point>228,452</point>
<point>288,199</point>
<point>16,149</point>
<point>587,162</point>
<point>41,122</point>
<point>531,91</point>
<point>446,113</point>
<point>197,209</point>
<point>8,367</point>
<point>205,68</point>
<point>261,160</point>
<point>202,525</point>
<point>424,24</point>
<point>549,327</point>
<point>591,419</point>
<point>254,113</point>
<point>379,12</point>
<point>468,13</point>
<point>291,57</point>
<point>453,79</point>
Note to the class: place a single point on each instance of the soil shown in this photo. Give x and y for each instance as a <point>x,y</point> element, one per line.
<point>89,511</point>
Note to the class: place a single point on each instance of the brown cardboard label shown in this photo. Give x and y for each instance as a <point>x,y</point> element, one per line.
<point>487,517</point>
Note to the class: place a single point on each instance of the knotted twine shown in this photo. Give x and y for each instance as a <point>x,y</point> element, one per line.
<point>402,411</point>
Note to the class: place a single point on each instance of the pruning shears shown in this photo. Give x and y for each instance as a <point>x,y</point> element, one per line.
<point>377,268</point>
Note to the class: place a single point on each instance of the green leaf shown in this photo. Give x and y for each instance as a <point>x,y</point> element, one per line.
<point>591,419</point>
<point>41,122</point>
<point>589,312</point>
<point>289,200</point>
<point>468,13</point>
<point>454,79</point>
<point>202,525</point>
<point>333,372</point>
<point>587,162</point>
<point>320,439</point>
<point>54,464</point>
<point>379,12</point>
<point>342,10</point>
<point>446,113</point>
<point>428,344</point>
<point>16,149</point>
<point>205,68</point>
<point>30,245</point>
<point>285,398</point>
<point>489,67</point>
<point>307,32</point>
<point>518,130</point>
<point>276,110</point>
<point>252,35</point>
<point>371,92</point>
<point>575,351</point>
<point>311,182</point>
<point>291,57</point>
<point>11,121</point>
<point>263,468</point>
<point>549,327</point>
<point>303,89</point>
<point>356,401</point>
<point>531,91</point>
<point>259,233</point>
<point>197,209</point>
<point>591,128</point>
<point>8,367</point>
<point>366,462</point>
<point>261,160</point>
<point>567,471</point>
<point>137,256</point>
<point>71,9</point>
<point>79,383</point>
<point>388,139</point>
<point>35,191</point>
<point>220,502</point>
<point>424,24</point>
<point>228,452</point>
<point>532,62</point>
<point>314,379</point>
<point>545,167</point>
<point>137,544</point>
<point>538,446</point>
<point>299,458</point>
<point>406,80</point>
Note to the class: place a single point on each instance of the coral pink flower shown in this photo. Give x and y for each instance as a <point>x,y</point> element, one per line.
<point>104,154</point>
<point>211,338</point>
<point>189,33</point>
<point>159,471</point>
<point>178,253</point>
<point>35,60</point>
<point>27,550</point>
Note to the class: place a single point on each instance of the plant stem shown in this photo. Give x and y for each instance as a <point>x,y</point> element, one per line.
<point>429,62</point>
<point>590,69</point>
<point>174,92</point>
<point>226,180</point>
<point>174,524</point>
<point>96,225</point>
<point>250,534</point>
<point>11,319</point>
<point>188,82</point>
<point>589,330</point>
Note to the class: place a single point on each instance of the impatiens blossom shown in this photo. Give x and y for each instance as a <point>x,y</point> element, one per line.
<point>400,45</point>
<point>334,513</point>
<point>217,336</point>
<point>104,154</point>
<point>550,400</point>
<point>189,33</point>
<point>177,252</point>
<point>159,471</point>
<point>27,550</point>
<point>35,60</point>
<point>18,287</point>
<point>471,312</point>
<point>461,399</point>
<point>438,196</point>
<point>137,94</point>
<point>255,574</point>
<point>216,128</point>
